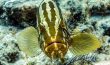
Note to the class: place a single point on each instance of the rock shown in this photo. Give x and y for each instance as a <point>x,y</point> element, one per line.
<point>23,16</point>
<point>99,8</point>
<point>1,10</point>
<point>107,32</point>
<point>12,57</point>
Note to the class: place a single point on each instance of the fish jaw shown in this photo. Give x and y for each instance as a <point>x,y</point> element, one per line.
<point>56,50</point>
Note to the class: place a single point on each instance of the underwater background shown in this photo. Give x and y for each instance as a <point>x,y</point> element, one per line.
<point>86,15</point>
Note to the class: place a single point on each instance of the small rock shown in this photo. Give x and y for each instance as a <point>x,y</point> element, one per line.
<point>12,57</point>
<point>22,15</point>
<point>107,32</point>
<point>1,10</point>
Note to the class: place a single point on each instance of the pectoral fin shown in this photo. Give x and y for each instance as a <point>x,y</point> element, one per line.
<point>27,40</point>
<point>84,43</point>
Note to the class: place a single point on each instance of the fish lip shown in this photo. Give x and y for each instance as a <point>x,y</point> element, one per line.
<point>57,42</point>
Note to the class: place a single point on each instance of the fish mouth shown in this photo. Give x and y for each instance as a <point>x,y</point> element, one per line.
<point>56,49</point>
<point>57,42</point>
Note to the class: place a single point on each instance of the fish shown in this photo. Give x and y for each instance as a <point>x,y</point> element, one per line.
<point>52,30</point>
<point>52,35</point>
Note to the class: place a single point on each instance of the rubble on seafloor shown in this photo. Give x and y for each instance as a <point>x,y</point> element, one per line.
<point>15,15</point>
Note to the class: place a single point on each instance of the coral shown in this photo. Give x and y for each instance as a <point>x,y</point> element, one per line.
<point>85,15</point>
<point>22,16</point>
